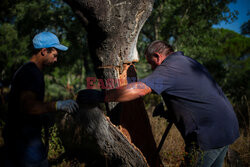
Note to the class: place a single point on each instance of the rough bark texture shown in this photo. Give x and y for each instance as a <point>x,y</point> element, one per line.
<point>113,27</point>
<point>95,140</point>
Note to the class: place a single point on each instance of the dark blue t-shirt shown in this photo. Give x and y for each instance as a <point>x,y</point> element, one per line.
<point>27,78</point>
<point>194,100</point>
<point>23,131</point>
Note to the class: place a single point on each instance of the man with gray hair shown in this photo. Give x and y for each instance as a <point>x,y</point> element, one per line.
<point>196,104</point>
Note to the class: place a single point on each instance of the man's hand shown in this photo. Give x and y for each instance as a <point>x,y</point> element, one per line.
<point>69,106</point>
<point>90,96</point>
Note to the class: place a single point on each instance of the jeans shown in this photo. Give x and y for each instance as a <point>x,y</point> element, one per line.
<point>26,154</point>
<point>207,158</point>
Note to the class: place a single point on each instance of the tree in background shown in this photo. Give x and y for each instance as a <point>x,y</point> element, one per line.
<point>245,27</point>
<point>185,25</point>
<point>234,53</point>
<point>21,20</point>
<point>183,22</point>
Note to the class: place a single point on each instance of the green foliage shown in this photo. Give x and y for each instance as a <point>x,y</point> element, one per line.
<point>183,20</point>
<point>60,85</point>
<point>11,50</point>
<point>187,25</point>
<point>55,144</point>
<point>27,18</point>
<point>245,27</point>
<point>233,54</point>
<point>56,148</point>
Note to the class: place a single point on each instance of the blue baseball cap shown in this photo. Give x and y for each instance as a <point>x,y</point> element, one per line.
<point>47,40</point>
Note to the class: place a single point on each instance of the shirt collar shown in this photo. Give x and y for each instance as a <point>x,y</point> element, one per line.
<point>172,54</point>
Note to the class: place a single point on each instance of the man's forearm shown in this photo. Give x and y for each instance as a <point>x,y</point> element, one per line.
<point>127,93</point>
<point>38,107</point>
<point>30,104</point>
<point>50,106</point>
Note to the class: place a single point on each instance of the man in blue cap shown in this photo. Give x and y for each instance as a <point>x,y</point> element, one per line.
<point>26,115</point>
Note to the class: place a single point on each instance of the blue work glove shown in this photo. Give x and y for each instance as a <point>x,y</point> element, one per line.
<point>90,96</point>
<point>69,106</point>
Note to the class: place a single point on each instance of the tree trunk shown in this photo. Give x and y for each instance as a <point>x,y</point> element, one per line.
<point>92,138</point>
<point>113,27</point>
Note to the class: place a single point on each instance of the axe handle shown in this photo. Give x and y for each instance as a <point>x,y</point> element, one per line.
<point>164,137</point>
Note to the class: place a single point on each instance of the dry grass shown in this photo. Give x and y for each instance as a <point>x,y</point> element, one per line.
<point>242,146</point>
<point>173,149</point>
